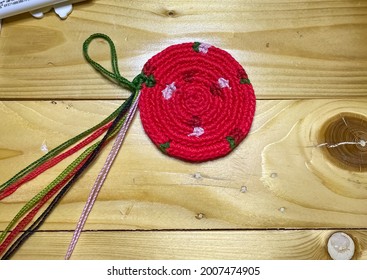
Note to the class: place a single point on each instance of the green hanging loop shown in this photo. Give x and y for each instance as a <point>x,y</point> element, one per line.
<point>115,75</point>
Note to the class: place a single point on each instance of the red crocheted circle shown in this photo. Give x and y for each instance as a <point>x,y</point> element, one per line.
<point>200,105</point>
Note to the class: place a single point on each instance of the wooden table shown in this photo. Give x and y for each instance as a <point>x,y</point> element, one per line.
<point>279,195</point>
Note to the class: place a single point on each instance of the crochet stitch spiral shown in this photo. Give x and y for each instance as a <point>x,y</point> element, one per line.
<point>200,105</point>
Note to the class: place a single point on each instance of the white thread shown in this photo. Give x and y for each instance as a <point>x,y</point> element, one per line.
<point>44,147</point>
<point>198,131</point>
<point>361,142</point>
<point>203,47</point>
<point>168,91</point>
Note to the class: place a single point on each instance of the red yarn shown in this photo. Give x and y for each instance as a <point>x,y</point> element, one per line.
<point>52,162</point>
<point>202,104</point>
<point>26,220</point>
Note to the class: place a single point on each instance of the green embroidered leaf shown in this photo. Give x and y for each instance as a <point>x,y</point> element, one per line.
<point>231,141</point>
<point>163,147</point>
<point>245,81</point>
<point>150,81</point>
<point>195,46</point>
<point>142,78</point>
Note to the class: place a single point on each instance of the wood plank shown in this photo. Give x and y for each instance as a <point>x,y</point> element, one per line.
<point>291,50</point>
<point>290,182</point>
<point>189,245</point>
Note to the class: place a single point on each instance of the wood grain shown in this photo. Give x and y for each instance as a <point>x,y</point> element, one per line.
<point>189,245</point>
<point>289,181</point>
<point>291,49</point>
<point>279,195</point>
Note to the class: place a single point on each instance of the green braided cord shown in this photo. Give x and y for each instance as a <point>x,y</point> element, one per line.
<point>132,86</point>
<point>30,204</point>
<point>115,75</point>
<point>59,149</point>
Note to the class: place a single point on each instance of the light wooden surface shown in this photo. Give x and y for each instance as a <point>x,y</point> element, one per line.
<point>279,195</point>
<point>295,49</point>
<point>190,245</point>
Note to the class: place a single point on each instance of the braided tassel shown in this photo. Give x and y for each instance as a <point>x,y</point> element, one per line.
<point>115,124</point>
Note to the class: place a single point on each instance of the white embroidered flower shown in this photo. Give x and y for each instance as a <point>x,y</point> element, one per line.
<point>198,131</point>
<point>203,47</point>
<point>168,91</point>
<point>223,83</point>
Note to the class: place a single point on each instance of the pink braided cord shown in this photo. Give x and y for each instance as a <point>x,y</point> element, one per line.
<point>101,178</point>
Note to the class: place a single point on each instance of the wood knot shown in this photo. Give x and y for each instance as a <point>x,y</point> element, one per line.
<point>344,140</point>
<point>171,13</point>
<point>200,216</point>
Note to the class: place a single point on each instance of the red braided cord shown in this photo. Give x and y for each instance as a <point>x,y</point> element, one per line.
<point>27,219</point>
<point>52,162</point>
<point>202,104</point>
